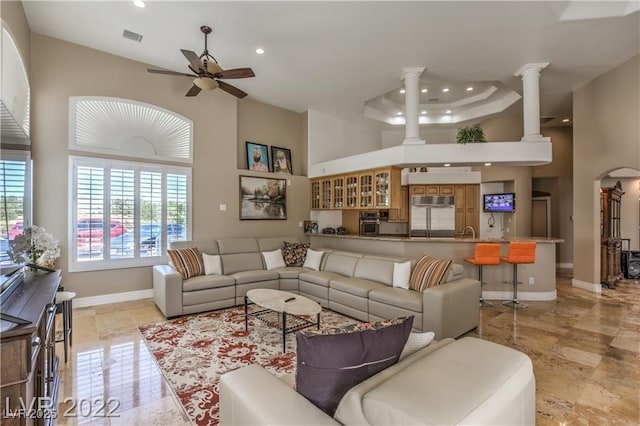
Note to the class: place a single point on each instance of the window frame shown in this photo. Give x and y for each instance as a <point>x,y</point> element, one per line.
<point>107,164</point>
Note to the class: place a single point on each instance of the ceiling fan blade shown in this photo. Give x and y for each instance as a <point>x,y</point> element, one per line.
<point>169,73</point>
<point>194,60</point>
<point>193,91</point>
<point>236,73</point>
<point>231,89</point>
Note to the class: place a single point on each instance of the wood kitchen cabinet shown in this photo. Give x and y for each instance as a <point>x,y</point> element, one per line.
<point>401,214</point>
<point>366,189</point>
<point>339,193</point>
<point>325,193</point>
<point>387,184</point>
<point>467,207</point>
<point>352,192</point>
<point>315,194</point>
<point>432,190</point>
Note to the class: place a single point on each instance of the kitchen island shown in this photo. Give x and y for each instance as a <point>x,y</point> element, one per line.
<point>538,279</point>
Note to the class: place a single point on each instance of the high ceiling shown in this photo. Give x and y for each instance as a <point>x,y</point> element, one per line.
<point>335,56</point>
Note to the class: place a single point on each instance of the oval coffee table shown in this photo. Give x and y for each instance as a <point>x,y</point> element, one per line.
<point>290,305</point>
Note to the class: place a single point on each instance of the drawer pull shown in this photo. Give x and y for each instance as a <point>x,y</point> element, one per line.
<point>35,341</point>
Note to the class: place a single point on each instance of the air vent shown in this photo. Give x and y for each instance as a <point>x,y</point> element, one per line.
<point>434,99</point>
<point>132,36</point>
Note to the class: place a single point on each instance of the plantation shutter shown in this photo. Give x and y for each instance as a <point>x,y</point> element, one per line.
<point>13,179</point>
<point>122,212</point>
<point>177,204</point>
<point>151,211</point>
<point>90,212</point>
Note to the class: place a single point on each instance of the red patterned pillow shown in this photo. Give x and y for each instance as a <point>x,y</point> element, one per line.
<point>294,254</point>
<point>188,261</point>
<point>429,272</point>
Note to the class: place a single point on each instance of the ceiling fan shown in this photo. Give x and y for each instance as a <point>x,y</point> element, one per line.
<point>207,72</point>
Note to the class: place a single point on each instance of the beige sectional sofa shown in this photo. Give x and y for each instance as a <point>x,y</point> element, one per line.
<point>355,284</point>
<point>467,381</point>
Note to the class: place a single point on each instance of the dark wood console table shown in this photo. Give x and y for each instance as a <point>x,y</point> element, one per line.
<point>29,376</point>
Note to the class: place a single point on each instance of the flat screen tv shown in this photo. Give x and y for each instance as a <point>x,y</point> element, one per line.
<point>499,203</point>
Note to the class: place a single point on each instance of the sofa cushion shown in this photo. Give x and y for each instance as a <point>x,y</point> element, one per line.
<point>429,272</point>
<point>212,264</point>
<point>187,261</point>
<point>401,274</point>
<point>204,282</point>
<point>257,275</point>
<point>406,299</point>
<point>295,253</point>
<point>491,374</point>
<point>238,262</point>
<point>273,259</point>
<point>355,286</point>
<point>415,342</point>
<point>456,271</point>
<point>331,361</point>
<point>341,263</point>
<point>375,269</point>
<point>291,272</point>
<point>319,277</point>
<point>313,259</point>
<point>206,246</point>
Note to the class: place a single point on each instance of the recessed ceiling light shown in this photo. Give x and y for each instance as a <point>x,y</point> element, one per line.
<point>448,111</point>
<point>424,90</point>
<point>399,113</point>
<point>139,3</point>
<point>447,164</point>
<point>487,164</point>
<point>469,89</point>
<point>402,91</point>
<point>566,120</point>
<point>445,90</point>
<point>424,113</point>
<point>260,51</point>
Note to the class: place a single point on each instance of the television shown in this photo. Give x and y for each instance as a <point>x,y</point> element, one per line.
<point>499,203</point>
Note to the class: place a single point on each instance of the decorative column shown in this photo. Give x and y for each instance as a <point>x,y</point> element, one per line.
<point>530,74</point>
<point>411,77</point>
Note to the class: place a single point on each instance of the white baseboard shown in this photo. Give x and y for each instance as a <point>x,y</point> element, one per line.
<point>83,302</point>
<point>522,295</point>
<point>592,287</point>
<point>564,265</point>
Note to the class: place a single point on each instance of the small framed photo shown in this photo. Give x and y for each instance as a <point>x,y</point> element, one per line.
<point>257,157</point>
<point>263,198</point>
<point>281,160</point>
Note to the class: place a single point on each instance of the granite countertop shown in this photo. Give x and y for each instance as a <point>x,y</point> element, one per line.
<point>404,238</point>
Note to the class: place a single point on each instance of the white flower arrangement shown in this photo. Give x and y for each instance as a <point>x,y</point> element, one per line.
<point>35,245</point>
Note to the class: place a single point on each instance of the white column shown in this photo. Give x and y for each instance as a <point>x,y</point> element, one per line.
<point>530,74</point>
<point>411,77</point>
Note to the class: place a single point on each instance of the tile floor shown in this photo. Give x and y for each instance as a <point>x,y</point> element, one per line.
<point>585,350</point>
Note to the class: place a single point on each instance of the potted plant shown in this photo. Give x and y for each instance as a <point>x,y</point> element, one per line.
<point>470,134</point>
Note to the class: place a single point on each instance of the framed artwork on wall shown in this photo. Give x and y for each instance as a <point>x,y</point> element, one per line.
<point>263,198</point>
<point>257,157</point>
<point>281,160</point>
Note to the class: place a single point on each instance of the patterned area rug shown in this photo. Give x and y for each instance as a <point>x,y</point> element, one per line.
<point>194,351</point>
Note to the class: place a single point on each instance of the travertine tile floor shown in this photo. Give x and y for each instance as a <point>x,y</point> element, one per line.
<point>585,350</point>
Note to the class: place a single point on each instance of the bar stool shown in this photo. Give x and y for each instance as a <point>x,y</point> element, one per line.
<point>485,254</point>
<point>64,299</point>
<point>520,252</point>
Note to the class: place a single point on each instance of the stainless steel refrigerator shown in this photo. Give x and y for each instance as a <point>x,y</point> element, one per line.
<point>433,216</point>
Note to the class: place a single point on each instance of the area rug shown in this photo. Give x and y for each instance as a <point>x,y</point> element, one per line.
<point>194,351</point>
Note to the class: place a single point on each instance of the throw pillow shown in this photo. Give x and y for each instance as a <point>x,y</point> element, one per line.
<point>332,361</point>
<point>212,264</point>
<point>273,259</point>
<point>401,274</point>
<point>294,253</point>
<point>429,272</point>
<point>415,342</point>
<point>187,261</point>
<point>313,259</point>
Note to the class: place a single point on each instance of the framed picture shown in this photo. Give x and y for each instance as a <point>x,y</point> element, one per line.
<point>257,157</point>
<point>263,198</point>
<point>281,160</point>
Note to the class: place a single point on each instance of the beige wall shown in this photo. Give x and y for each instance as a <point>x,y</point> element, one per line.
<point>13,15</point>
<point>272,126</point>
<point>74,70</point>
<point>606,137</point>
<point>518,180</point>
<point>629,208</point>
<point>557,179</point>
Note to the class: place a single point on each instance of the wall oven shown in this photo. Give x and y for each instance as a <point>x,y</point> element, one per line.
<point>369,223</point>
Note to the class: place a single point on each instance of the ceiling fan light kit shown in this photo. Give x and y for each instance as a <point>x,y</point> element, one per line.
<point>207,71</point>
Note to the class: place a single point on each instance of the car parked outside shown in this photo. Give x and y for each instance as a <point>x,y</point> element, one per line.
<point>89,234</point>
<point>16,229</point>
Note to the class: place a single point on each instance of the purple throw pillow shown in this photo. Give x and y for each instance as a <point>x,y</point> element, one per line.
<point>332,361</point>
